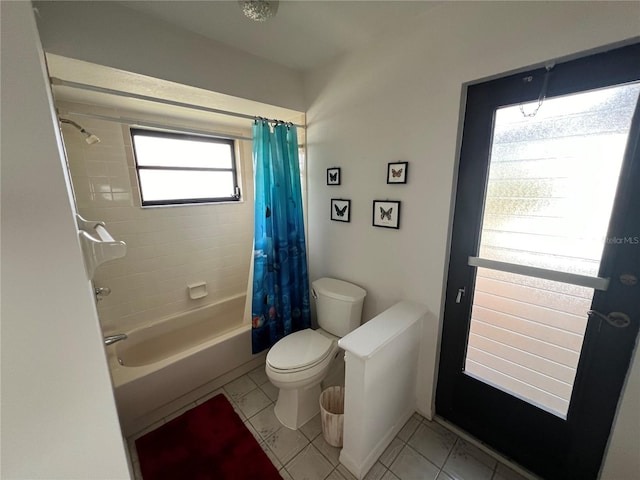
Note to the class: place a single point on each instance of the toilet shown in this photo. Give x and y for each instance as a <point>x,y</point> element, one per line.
<point>299,362</point>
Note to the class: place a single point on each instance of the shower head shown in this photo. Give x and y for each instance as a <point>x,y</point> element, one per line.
<point>89,137</point>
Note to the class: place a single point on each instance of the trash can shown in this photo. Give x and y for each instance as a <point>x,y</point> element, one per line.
<point>332,415</point>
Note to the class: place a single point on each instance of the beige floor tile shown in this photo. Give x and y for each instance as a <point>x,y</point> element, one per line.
<point>309,464</point>
<point>240,387</point>
<point>284,474</point>
<point>410,465</point>
<point>475,452</point>
<point>391,452</point>
<point>462,464</point>
<point>265,422</point>
<point>286,443</point>
<point>253,402</point>
<point>258,375</point>
<point>433,445</point>
<point>270,390</point>
<point>389,475</point>
<point>330,452</point>
<point>312,428</point>
<point>437,427</point>
<point>444,476</point>
<point>376,472</point>
<point>335,475</point>
<point>344,471</point>
<point>409,427</point>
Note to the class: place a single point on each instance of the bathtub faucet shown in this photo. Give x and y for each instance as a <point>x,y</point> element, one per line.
<point>114,338</point>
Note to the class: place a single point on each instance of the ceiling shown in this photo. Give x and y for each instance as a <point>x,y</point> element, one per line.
<point>303,35</point>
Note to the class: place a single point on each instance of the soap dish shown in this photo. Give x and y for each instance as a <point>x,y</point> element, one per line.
<point>197,290</point>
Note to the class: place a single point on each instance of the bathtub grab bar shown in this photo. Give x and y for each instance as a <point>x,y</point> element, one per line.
<point>98,246</point>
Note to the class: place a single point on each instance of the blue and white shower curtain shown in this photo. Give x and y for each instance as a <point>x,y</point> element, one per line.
<point>280,303</point>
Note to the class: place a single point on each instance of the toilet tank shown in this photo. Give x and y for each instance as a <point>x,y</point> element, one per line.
<point>339,305</point>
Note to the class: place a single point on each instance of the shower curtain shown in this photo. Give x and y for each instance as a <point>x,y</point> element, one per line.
<point>280,302</point>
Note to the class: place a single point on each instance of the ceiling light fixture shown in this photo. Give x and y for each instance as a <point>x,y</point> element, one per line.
<point>259,10</point>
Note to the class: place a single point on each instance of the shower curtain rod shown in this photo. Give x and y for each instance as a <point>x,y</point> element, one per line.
<point>121,93</point>
<point>138,123</point>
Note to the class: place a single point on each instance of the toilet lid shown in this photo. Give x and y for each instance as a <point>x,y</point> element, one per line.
<point>298,350</point>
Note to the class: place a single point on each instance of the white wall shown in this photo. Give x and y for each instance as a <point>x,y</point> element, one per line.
<point>622,460</point>
<point>399,100</point>
<point>167,247</point>
<point>107,33</point>
<point>59,417</point>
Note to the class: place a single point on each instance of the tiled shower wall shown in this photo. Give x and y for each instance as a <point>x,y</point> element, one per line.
<point>167,247</point>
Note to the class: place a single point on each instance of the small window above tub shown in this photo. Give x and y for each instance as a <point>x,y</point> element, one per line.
<point>180,169</point>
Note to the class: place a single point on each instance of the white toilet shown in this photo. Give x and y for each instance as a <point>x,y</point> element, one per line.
<point>300,361</point>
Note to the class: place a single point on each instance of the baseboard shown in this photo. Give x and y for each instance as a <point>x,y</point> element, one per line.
<point>361,470</point>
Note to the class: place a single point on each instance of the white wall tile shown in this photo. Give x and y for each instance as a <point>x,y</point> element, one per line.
<point>167,247</point>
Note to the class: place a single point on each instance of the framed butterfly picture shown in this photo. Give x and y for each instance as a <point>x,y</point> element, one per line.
<point>340,210</point>
<point>333,176</point>
<point>386,213</point>
<point>397,172</point>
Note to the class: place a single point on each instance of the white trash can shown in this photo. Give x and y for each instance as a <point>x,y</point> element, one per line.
<point>332,415</point>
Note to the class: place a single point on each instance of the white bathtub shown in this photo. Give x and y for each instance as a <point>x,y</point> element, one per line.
<point>167,360</point>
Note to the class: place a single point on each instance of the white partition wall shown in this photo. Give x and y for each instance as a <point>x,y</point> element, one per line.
<point>59,417</point>
<point>380,382</point>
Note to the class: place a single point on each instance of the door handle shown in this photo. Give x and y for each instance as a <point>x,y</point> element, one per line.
<point>615,319</point>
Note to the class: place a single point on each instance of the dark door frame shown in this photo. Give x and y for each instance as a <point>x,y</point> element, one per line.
<point>577,447</point>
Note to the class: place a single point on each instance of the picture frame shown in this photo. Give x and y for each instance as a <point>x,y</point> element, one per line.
<point>386,213</point>
<point>397,172</point>
<point>333,176</point>
<point>340,210</point>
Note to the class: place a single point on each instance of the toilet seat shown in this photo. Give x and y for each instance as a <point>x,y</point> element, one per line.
<point>299,351</point>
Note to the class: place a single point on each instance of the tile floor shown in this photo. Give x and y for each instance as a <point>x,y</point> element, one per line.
<point>422,449</point>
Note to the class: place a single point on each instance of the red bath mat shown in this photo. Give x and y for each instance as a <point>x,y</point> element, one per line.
<point>209,442</point>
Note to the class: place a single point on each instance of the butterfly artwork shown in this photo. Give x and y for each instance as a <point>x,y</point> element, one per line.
<point>340,209</point>
<point>386,213</point>
<point>397,172</point>
<point>333,176</point>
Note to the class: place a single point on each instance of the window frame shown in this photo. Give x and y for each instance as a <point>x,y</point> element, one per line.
<point>236,197</point>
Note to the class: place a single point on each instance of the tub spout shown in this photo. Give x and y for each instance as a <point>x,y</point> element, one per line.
<point>114,338</point>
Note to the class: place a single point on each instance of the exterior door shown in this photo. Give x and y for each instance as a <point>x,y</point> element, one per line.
<point>542,305</point>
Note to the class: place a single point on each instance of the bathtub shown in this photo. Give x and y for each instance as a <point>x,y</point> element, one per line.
<point>172,358</point>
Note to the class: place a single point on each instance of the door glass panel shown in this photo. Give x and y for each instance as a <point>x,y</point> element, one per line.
<point>551,187</point>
